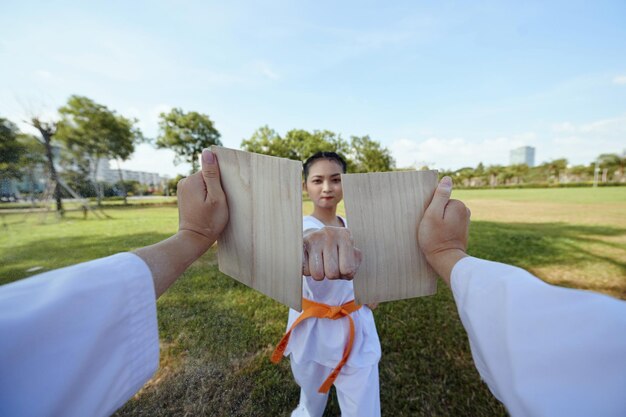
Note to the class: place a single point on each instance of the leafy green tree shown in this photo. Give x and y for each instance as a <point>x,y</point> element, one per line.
<point>464,176</point>
<point>580,172</point>
<point>369,156</point>
<point>518,172</point>
<point>479,174</point>
<point>610,162</point>
<point>79,182</point>
<point>505,175</point>
<point>172,184</point>
<point>93,130</point>
<point>298,144</point>
<point>131,186</point>
<point>493,173</point>
<point>362,153</point>
<point>480,170</point>
<point>76,172</point>
<point>267,141</point>
<point>10,150</point>
<point>446,173</point>
<point>554,169</point>
<point>305,144</point>
<point>186,134</point>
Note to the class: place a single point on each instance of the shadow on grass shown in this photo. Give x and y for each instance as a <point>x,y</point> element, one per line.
<point>59,252</point>
<point>219,335</point>
<point>541,244</point>
<point>426,368</point>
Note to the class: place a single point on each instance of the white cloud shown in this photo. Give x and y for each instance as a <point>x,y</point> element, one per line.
<point>620,80</point>
<point>578,143</point>
<point>610,128</point>
<point>454,153</point>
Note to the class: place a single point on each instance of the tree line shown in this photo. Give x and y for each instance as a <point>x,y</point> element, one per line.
<point>606,169</point>
<point>86,132</point>
<point>362,153</point>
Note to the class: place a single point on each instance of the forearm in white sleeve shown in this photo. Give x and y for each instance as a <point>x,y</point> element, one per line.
<point>77,341</point>
<point>543,350</point>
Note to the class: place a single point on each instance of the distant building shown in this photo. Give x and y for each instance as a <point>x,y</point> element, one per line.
<point>36,180</point>
<point>523,155</point>
<point>33,181</point>
<point>111,175</point>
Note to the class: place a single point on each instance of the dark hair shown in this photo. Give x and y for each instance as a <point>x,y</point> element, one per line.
<point>330,156</point>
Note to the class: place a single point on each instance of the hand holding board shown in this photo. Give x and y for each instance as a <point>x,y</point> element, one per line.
<point>261,245</point>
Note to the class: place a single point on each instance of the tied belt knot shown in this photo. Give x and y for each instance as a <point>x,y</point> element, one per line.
<point>322,311</point>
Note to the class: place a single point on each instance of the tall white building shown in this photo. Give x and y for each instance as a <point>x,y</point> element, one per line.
<point>523,155</point>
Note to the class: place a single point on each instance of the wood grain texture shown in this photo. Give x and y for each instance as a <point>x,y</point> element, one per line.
<point>261,245</point>
<point>383,211</point>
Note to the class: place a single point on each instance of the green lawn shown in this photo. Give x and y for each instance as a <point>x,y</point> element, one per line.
<point>553,195</point>
<point>76,205</point>
<point>217,335</point>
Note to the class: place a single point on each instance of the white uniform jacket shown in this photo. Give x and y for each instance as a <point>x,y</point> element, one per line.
<point>543,350</point>
<point>77,341</point>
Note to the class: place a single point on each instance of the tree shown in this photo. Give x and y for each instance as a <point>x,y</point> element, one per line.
<point>463,176</point>
<point>172,184</point>
<point>267,141</point>
<point>303,144</point>
<point>47,130</point>
<point>186,134</point>
<point>518,172</point>
<point>76,172</point>
<point>493,172</point>
<point>506,174</point>
<point>92,130</point>
<point>362,154</point>
<point>10,150</point>
<point>479,175</point>
<point>611,162</point>
<point>580,172</point>
<point>369,156</point>
<point>554,168</point>
<point>298,144</point>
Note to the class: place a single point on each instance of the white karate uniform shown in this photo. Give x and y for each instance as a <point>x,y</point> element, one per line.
<point>82,340</point>
<point>543,350</point>
<point>316,346</point>
<point>78,341</point>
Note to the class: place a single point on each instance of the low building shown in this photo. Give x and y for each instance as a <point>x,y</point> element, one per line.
<point>112,175</point>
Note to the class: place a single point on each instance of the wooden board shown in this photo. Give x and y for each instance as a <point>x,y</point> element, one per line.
<point>261,245</point>
<point>383,211</point>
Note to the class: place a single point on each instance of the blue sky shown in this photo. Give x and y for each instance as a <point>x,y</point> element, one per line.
<point>449,84</point>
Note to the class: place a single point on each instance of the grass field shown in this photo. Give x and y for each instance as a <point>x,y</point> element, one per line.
<point>72,204</point>
<point>216,335</point>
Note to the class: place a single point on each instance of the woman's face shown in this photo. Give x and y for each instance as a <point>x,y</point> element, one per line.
<point>324,183</point>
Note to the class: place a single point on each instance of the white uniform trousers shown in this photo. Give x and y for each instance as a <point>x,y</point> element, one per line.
<point>357,390</point>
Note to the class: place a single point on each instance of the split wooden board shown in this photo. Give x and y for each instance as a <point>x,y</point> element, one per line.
<point>261,245</point>
<point>383,211</point>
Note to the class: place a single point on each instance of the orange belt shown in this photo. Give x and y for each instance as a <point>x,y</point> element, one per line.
<point>321,311</point>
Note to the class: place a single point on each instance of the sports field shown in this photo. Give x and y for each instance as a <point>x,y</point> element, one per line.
<point>217,335</point>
